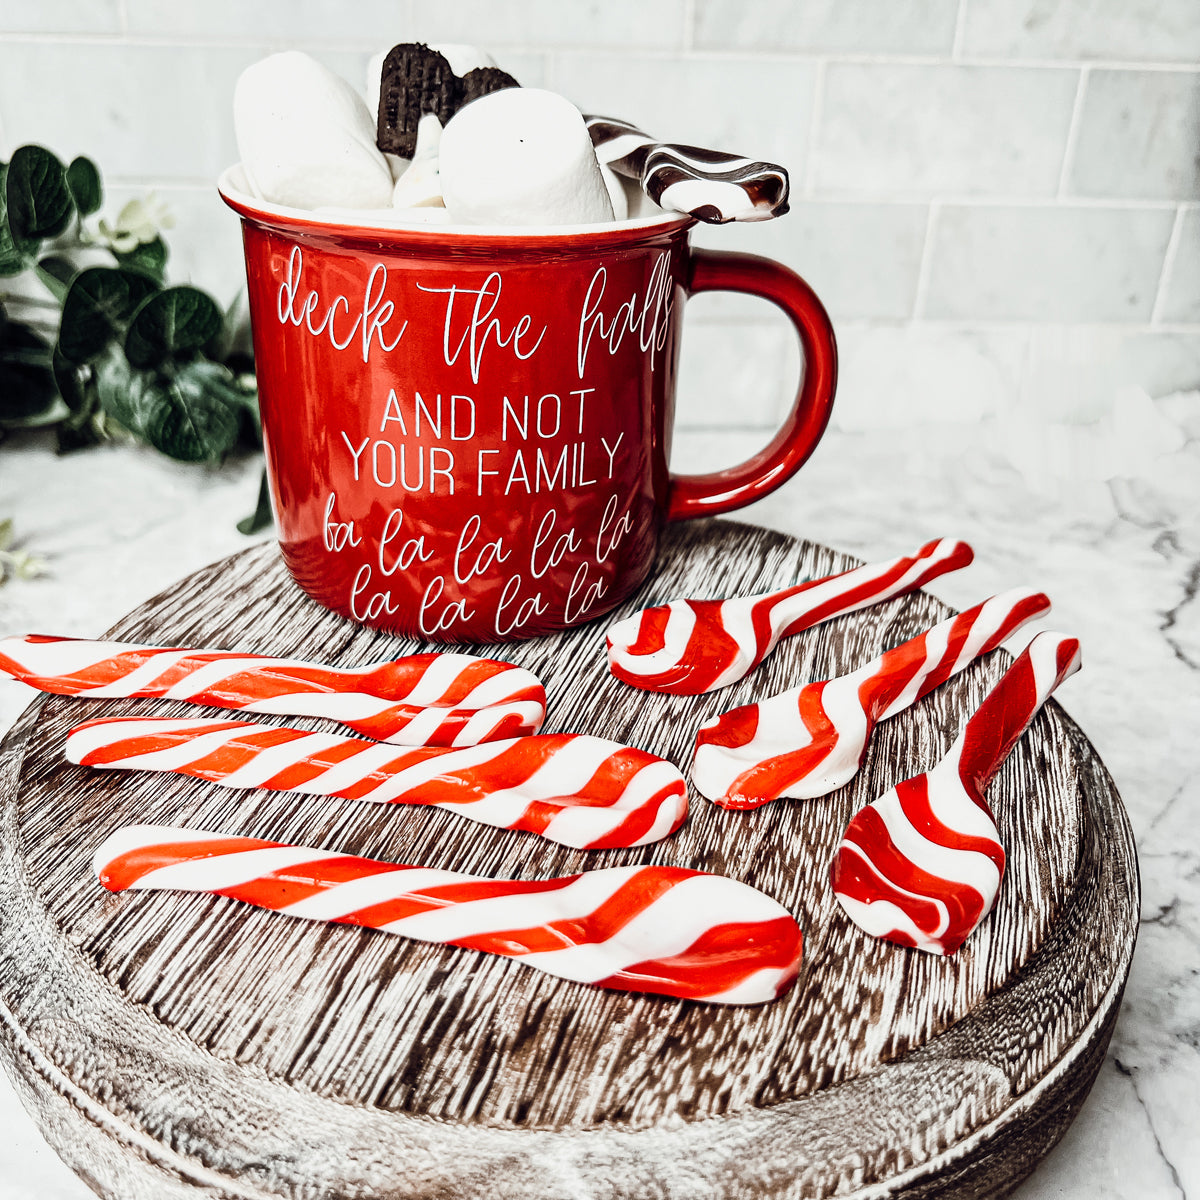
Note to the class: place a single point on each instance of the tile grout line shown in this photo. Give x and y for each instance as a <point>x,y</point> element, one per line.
<point>1168,266</point>
<point>809,184</point>
<point>1072,134</point>
<point>364,45</point>
<point>960,31</point>
<point>689,26</point>
<point>925,269</point>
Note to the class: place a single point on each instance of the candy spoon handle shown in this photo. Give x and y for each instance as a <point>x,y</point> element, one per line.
<point>900,677</point>
<point>922,864</point>
<point>688,647</point>
<point>574,789</point>
<point>437,699</point>
<point>808,604</point>
<point>709,184</point>
<point>1008,709</point>
<point>660,929</point>
<point>811,740</point>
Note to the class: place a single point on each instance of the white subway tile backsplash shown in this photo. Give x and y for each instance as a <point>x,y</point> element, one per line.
<point>1160,363</point>
<point>1167,30</point>
<point>1046,263</point>
<point>156,112</point>
<point>621,23</point>
<point>61,16</point>
<point>734,376</point>
<point>899,376</point>
<point>292,20</point>
<point>857,26</point>
<point>892,129</point>
<point>1181,297</point>
<point>1075,370</point>
<point>205,243</point>
<point>863,260</point>
<point>707,102</point>
<point>1139,136</point>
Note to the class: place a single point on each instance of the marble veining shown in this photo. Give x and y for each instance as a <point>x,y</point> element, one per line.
<point>1108,525</point>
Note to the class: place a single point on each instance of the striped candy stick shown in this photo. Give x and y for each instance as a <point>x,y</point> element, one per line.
<point>665,930</point>
<point>574,789</point>
<point>424,699</point>
<point>921,865</point>
<point>809,741</point>
<point>709,184</point>
<point>688,647</point>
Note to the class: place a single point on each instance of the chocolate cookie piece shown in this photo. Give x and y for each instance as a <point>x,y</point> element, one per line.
<point>415,80</point>
<point>482,81</point>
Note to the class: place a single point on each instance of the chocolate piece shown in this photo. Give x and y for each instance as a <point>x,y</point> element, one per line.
<point>482,81</point>
<point>415,80</point>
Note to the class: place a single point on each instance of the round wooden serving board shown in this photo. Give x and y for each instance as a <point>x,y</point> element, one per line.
<point>182,1046</point>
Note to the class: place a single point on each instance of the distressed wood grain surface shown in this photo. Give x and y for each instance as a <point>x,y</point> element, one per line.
<point>188,1045</point>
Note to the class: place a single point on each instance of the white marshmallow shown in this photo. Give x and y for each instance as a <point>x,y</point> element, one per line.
<point>637,203</point>
<point>373,218</point>
<point>420,186</point>
<point>616,193</point>
<point>461,57</point>
<point>306,138</point>
<point>396,164</point>
<point>521,156</point>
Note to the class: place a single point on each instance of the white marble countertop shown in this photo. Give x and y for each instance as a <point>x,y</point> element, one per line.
<point>1105,519</point>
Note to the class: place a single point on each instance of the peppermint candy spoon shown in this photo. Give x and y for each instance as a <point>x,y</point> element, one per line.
<point>710,185</point>
<point>810,740</point>
<point>581,791</point>
<point>921,866</point>
<point>666,930</point>
<point>688,647</point>
<point>422,700</point>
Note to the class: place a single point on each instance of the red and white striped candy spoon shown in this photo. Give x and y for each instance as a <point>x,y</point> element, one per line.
<point>574,789</point>
<point>809,741</point>
<point>710,184</point>
<point>688,647</point>
<point>665,930</point>
<point>921,865</point>
<point>422,700</point>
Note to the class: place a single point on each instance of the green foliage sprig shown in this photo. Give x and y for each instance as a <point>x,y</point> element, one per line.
<point>111,350</point>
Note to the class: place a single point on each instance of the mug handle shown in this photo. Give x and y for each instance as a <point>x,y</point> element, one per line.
<point>721,491</point>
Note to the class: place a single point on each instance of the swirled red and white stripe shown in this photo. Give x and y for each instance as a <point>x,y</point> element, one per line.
<point>578,790</point>
<point>421,700</point>
<point>811,740</point>
<point>688,647</point>
<point>666,930</point>
<point>922,865</point>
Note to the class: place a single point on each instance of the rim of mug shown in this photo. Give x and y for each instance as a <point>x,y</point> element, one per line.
<point>230,185</point>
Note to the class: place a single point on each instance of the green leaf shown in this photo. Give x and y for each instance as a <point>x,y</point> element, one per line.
<point>56,272</point>
<point>190,422</point>
<point>76,385</point>
<point>98,308</point>
<point>183,412</point>
<point>27,391</point>
<point>39,201</point>
<point>150,258</point>
<point>261,518</point>
<point>171,324</point>
<point>83,178</point>
<point>121,391</point>
<point>15,253</point>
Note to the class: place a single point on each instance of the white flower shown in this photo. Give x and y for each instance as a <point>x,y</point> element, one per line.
<point>139,222</point>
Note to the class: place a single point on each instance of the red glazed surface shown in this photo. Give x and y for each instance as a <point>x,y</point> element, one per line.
<point>467,432</point>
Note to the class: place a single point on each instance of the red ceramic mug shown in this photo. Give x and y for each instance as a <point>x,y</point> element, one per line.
<point>467,429</point>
